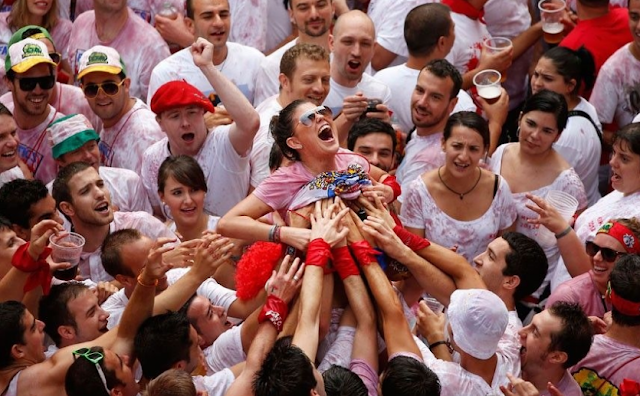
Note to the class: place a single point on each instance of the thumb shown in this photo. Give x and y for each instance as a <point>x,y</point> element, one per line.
<point>553,391</point>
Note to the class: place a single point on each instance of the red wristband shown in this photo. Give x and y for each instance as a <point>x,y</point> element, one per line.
<point>395,186</point>
<point>364,253</point>
<point>39,269</point>
<point>274,310</point>
<point>413,241</point>
<point>343,262</point>
<point>318,253</point>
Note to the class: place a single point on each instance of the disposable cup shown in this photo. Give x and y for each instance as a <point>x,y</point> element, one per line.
<point>566,205</point>
<point>488,85</point>
<point>551,12</point>
<point>495,45</point>
<point>66,249</point>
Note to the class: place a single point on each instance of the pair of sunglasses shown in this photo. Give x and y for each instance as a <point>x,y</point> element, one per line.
<point>608,254</point>
<point>110,88</point>
<point>309,117</point>
<point>94,357</point>
<point>29,83</point>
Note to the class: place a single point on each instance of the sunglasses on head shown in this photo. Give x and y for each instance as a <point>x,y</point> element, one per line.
<point>94,357</point>
<point>29,83</point>
<point>608,254</point>
<point>309,117</point>
<point>110,88</point>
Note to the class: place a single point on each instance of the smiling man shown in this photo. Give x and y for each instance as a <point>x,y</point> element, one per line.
<point>30,77</point>
<point>129,126</point>
<point>211,20</point>
<point>82,196</point>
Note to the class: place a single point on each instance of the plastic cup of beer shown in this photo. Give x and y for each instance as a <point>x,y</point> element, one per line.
<point>498,44</point>
<point>551,12</point>
<point>488,85</point>
<point>66,249</point>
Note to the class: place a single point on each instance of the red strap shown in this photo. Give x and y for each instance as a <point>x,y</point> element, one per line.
<point>343,262</point>
<point>395,186</point>
<point>275,310</point>
<point>364,253</point>
<point>39,269</point>
<point>413,241</point>
<point>318,253</point>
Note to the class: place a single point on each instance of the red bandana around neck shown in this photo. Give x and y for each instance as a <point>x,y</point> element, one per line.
<point>463,7</point>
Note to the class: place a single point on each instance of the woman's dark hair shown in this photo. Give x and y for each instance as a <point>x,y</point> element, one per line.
<point>574,65</point>
<point>549,102</point>
<point>281,128</point>
<point>185,170</point>
<point>629,135</point>
<point>470,120</point>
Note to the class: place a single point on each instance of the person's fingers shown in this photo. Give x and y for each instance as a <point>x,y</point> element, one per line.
<point>506,391</point>
<point>553,391</point>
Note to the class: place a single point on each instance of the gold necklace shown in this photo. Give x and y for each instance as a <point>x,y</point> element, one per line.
<point>461,195</point>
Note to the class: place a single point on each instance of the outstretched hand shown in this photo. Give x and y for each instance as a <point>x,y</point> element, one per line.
<point>327,224</point>
<point>212,251</point>
<point>285,283</point>
<point>384,236</point>
<point>548,216</point>
<point>202,52</point>
<point>154,267</point>
<point>40,234</point>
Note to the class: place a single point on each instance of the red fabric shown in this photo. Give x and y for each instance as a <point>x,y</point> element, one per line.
<point>274,310</point>
<point>464,8</point>
<point>622,234</point>
<point>364,253</point>
<point>176,94</point>
<point>395,186</point>
<point>624,306</point>
<point>39,269</point>
<point>629,388</point>
<point>318,253</point>
<point>343,262</point>
<point>601,36</point>
<point>255,267</point>
<point>413,241</point>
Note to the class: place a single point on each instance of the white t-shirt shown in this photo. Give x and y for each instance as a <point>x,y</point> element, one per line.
<point>470,34</point>
<point>11,175</point>
<point>636,118</point>
<point>401,80</point>
<point>371,88</point>
<point>567,181</point>
<point>457,381</point>
<point>60,35</point>
<point>422,154</point>
<point>509,19</point>
<point>140,46</point>
<point>240,67</point>
<point>90,265</point>
<point>263,141</point>
<point>226,351</point>
<point>616,94</point>
<point>216,384</point>
<point>248,23</point>
<point>419,210</point>
<point>226,171</point>
<point>216,293</point>
<point>279,24</point>
<point>67,99</point>
<point>212,223</point>
<point>612,206</point>
<point>123,144</point>
<point>125,188</point>
<point>388,18</point>
<point>35,150</point>
<point>580,146</point>
<point>267,83</point>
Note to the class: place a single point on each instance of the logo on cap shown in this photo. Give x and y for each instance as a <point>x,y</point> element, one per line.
<point>97,57</point>
<point>31,50</point>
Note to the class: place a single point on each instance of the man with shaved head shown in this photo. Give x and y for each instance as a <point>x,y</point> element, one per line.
<point>352,44</point>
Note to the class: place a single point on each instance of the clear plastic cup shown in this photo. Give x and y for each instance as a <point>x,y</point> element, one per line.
<point>498,44</point>
<point>566,205</point>
<point>551,12</point>
<point>487,83</point>
<point>66,249</point>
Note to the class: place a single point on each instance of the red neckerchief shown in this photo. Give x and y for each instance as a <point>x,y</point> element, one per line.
<point>464,8</point>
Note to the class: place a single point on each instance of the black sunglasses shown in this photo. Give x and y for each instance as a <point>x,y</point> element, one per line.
<point>110,88</point>
<point>608,254</point>
<point>29,83</point>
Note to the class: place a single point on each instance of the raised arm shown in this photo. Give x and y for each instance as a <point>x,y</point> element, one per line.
<point>246,119</point>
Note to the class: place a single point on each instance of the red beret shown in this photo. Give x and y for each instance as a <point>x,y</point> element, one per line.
<point>179,94</point>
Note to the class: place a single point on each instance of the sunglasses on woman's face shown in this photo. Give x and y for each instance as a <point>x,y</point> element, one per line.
<point>28,84</point>
<point>110,88</point>
<point>608,254</point>
<point>309,117</point>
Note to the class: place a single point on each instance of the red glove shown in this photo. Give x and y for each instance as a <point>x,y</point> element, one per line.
<point>318,253</point>
<point>275,310</point>
<point>39,269</point>
<point>393,183</point>
<point>413,241</point>
<point>364,253</point>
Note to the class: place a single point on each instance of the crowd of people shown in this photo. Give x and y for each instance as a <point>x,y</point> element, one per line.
<point>311,197</point>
